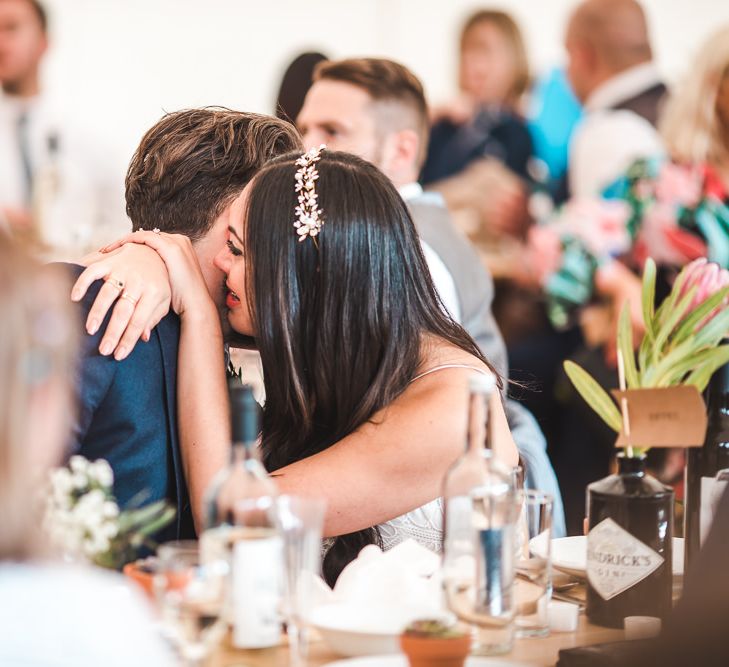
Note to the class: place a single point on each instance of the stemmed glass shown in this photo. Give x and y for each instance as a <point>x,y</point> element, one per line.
<point>300,522</point>
<point>190,597</point>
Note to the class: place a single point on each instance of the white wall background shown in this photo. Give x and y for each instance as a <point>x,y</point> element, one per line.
<point>118,64</point>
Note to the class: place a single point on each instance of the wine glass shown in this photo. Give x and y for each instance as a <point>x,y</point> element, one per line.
<point>190,597</point>
<point>300,522</point>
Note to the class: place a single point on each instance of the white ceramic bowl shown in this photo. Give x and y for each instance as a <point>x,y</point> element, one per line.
<point>355,631</point>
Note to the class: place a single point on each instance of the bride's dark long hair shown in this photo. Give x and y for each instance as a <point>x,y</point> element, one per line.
<point>339,321</point>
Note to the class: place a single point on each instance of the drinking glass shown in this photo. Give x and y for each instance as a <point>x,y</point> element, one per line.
<point>533,563</point>
<point>300,522</point>
<point>479,552</point>
<point>190,597</point>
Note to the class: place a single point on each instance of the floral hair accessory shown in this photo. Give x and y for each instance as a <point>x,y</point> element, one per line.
<point>308,215</point>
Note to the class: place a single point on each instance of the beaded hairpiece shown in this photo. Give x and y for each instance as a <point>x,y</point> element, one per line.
<point>308,215</point>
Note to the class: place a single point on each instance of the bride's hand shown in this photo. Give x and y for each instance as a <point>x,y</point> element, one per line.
<point>189,291</point>
<point>137,274</point>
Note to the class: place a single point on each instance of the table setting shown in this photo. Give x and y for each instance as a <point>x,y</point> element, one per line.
<point>502,590</point>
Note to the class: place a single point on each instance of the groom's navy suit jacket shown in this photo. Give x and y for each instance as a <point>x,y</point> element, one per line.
<point>127,414</point>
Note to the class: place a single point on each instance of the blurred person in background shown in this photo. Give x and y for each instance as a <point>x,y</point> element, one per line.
<point>296,81</point>
<point>480,148</point>
<point>56,184</point>
<point>376,108</point>
<point>50,613</point>
<point>674,209</point>
<point>553,114</point>
<point>611,70</point>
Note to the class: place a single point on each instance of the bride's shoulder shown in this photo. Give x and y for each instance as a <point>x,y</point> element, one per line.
<point>439,355</point>
<point>441,375</point>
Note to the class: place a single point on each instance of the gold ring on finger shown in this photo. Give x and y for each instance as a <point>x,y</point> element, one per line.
<point>132,299</point>
<point>115,282</point>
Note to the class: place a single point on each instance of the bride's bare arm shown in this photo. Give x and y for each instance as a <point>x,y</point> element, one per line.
<point>202,402</point>
<point>395,462</point>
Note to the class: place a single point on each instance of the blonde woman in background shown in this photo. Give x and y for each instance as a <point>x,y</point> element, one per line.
<point>50,614</point>
<point>480,147</point>
<point>695,124</point>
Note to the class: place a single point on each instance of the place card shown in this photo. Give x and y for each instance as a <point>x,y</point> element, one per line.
<point>665,417</point>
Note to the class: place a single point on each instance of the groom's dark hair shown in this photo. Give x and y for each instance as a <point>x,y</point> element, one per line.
<point>193,163</point>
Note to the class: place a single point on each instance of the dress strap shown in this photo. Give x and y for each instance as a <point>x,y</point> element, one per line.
<point>440,368</point>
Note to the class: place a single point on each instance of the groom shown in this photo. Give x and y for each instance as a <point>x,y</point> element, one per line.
<point>183,178</point>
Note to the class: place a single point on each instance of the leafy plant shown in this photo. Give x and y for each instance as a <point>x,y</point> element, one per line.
<point>682,343</point>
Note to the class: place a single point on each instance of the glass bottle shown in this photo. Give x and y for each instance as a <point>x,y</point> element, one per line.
<point>479,533</point>
<point>240,527</point>
<point>703,464</point>
<point>629,545</point>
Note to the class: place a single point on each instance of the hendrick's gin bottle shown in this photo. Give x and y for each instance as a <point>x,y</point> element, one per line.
<point>629,545</point>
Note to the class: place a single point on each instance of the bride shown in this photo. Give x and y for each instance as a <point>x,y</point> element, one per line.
<point>365,375</point>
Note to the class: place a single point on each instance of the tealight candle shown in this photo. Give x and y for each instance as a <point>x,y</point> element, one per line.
<point>563,616</point>
<point>641,627</point>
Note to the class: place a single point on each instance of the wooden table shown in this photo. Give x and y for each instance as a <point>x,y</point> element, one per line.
<point>538,652</point>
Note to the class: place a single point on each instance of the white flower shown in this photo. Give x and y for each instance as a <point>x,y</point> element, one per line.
<point>95,545</point>
<point>109,529</point>
<point>101,471</point>
<point>78,464</point>
<point>110,510</point>
<point>79,480</point>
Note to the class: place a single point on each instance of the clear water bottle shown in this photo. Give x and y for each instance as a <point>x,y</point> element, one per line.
<point>481,512</point>
<point>240,528</point>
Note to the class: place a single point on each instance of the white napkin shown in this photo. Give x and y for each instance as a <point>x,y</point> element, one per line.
<point>385,591</point>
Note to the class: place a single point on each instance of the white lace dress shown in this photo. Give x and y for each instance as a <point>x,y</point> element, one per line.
<point>424,525</point>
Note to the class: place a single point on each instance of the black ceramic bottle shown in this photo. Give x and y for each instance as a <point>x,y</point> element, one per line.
<point>703,463</point>
<point>629,552</point>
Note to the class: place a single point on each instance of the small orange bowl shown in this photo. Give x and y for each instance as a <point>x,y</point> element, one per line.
<point>142,573</point>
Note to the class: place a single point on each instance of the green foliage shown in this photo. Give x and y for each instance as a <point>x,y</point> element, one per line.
<point>681,345</point>
<point>597,398</point>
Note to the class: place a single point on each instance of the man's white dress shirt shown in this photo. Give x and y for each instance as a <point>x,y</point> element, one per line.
<point>442,278</point>
<point>607,141</point>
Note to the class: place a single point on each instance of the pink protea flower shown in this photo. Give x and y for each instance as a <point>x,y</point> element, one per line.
<point>708,278</point>
<point>679,185</point>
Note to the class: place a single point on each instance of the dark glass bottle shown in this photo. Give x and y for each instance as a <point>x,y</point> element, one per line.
<point>703,463</point>
<point>629,545</point>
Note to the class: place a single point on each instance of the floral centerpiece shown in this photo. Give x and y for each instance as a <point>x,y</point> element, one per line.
<point>682,340</point>
<point>672,213</point>
<point>84,521</point>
